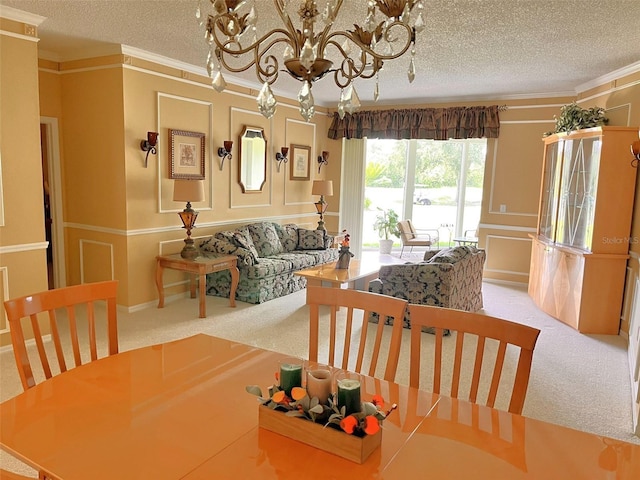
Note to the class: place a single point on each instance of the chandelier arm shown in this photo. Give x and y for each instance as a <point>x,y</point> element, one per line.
<point>270,73</point>
<point>241,51</point>
<point>351,36</point>
<point>348,69</point>
<point>280,7</point>
<point>324,36</point>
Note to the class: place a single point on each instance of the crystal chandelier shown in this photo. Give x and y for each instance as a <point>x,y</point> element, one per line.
<point>312,49</point>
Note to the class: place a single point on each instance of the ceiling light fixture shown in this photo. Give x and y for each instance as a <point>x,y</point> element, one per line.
<point>309,51</point>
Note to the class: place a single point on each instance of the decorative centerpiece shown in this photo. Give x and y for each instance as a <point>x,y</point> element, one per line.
<point>344,255</point>
<point>338,423</point>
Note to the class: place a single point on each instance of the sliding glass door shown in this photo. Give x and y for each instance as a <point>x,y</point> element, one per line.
<point>436,184</point>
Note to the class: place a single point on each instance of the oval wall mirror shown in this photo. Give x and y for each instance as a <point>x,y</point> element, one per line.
<point>252,166</point>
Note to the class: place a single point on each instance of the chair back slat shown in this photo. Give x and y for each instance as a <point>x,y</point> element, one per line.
<point>93,342</point>
<point>481,327</point>
<point>65,301</point>
<point>55,336</point>
<point>73,335</point>
<point>348,329</point>
<point>477,370</point>
<point>37,334</point>
<point>497,373</point>
<point>362,303</point>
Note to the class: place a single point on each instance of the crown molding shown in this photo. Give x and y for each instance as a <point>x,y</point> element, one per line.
<point>609,77</point>
<point>16,15</point>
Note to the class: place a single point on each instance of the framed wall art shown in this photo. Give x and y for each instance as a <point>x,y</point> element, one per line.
<point>186,155</point>
<point>300,162</point>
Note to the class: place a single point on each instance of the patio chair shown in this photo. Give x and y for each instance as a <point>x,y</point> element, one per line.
<point>413,237</point>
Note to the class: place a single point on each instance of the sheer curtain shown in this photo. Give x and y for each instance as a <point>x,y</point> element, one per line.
<point>352,191</point>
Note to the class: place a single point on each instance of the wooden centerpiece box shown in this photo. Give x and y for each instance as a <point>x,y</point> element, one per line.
<point>354,448</point>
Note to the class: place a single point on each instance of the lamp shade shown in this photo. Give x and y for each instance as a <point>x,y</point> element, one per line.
<point>188,190</point>
<point>322,187</point>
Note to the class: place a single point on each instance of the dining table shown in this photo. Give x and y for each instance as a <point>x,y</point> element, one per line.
<point>181,410</point>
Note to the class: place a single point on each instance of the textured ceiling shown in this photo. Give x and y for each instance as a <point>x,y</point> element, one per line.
<point>470,49</point>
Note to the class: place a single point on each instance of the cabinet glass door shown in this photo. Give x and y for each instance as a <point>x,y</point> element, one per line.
<point>578,192</point>
<point>550,190</point>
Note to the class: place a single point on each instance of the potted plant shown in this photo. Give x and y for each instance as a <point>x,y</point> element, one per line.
<point>387,225</point>
<point>572,118</point>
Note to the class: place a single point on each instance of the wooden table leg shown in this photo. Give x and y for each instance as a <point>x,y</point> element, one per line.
<point>312,282</point>
<point>159,285</point>
<point>192,285</point>
<point>203,306</point>
<point>235,276</point>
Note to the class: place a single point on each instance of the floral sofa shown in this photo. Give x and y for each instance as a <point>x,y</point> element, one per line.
<point>268,255</point>
<point>451,278</point>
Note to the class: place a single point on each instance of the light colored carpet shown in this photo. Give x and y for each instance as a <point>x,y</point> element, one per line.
<point>579,381</point>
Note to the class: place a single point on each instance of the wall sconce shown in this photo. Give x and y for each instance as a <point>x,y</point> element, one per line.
<point>149,145</point>
<point>188,191</point>
<point>323,160</point>
<point>281,156</point>
<point>225,152</point>
<point>635,151</point>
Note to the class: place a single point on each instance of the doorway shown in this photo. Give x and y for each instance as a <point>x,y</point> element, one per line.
<point>53,206</point>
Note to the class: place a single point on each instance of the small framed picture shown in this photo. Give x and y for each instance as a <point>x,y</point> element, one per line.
<point>300,162</point>
<point>186,154</point>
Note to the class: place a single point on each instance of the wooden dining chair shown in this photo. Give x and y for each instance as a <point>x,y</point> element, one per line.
<point>7,475</point>
<point>359,305</point>
<point>474,327</point>
<point>62,306</point>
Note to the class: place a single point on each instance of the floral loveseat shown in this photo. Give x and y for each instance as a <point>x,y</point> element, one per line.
<point>451,278</point>
<point>268,255</point>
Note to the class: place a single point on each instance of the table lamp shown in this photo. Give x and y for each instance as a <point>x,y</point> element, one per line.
<point>322,188</point>
<point>188,191</point>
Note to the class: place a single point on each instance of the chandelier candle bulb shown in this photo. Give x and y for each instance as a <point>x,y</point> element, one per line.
<point>290,375</point>
<point>319,385</point>
<point>349,395</point>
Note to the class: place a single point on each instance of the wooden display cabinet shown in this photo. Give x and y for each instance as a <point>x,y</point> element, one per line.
<point>580,252</point>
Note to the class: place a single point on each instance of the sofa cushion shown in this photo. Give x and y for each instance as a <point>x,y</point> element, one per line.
<point>265,239</point>
<point>451,255</point>
<point>225,235</point>
<point>288,234</point>
<point>322,256</point>
<point>311,239</point>
<point>223,247</point>
<point>242,238</point>
<point>268,267</point>
<point>297,260</point>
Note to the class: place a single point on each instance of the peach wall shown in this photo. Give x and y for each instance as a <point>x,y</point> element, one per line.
<point>120,98</point>
<point>22,236</point>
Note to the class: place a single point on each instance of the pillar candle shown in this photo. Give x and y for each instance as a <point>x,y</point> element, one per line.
<point>290,376</point>
<point>319,385</point>
<point>349,395</point>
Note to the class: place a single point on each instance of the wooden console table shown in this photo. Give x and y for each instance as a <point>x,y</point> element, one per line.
<point>199,266</point>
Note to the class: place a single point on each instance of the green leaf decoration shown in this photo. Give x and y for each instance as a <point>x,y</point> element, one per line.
<point>254,390</point>
<point>318,409</point>
<point>293,413</point>
<point>369,408</point>
<point>572,118</point>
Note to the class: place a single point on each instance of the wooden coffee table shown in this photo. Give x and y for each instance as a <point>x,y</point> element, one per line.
<point>361,271</point>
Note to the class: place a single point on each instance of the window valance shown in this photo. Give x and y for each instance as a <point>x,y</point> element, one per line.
<point>420,123</point>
